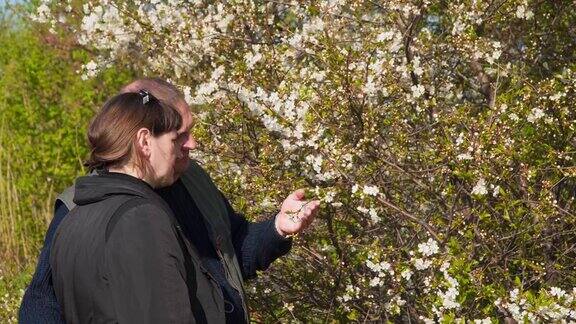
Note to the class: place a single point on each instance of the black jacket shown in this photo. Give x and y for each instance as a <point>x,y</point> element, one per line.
<point>119,257</point>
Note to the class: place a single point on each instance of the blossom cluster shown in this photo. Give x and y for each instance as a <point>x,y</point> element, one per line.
<point>554,304</point>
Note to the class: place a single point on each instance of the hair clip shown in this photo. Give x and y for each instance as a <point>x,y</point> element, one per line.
<point>145,96</point>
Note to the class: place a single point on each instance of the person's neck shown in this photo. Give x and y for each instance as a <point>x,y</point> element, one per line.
<point>132,171</point>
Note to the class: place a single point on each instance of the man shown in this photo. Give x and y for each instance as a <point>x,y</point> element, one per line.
<point>228,247</point>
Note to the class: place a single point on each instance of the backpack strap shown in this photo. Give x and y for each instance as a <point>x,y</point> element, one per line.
<point>66,198</point>
<point>125,206</point>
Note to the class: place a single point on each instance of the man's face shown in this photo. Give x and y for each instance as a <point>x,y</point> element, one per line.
<point>185,141</point>
<point>164,152</point>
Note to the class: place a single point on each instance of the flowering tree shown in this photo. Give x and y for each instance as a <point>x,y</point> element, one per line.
<point>438,134</point>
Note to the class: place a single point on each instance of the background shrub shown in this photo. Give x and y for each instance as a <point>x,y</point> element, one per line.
<point>45,108</point>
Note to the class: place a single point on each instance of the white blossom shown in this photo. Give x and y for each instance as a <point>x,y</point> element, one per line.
<point>385,36</point>
<point>380,267</point>
<point>417,90</point>
<point>520,11</point>
<point>376,281</point>
<point>496,191</point>
<point>319,76</point>
<point>289,306</point>
<point>252,58</point>
<point>369,87</point>
<point>416,66</point>
<point>315,25</point>
<point>464,156</point>
<point>449,298</point>
<point>460,139</point>
<point>90,70</point>
<point>406,274</point>
<point>373,215</point>
<point>535,115</point>
<point>421,264</point>
<point>480,188</point>
<point>371,190</point>
<point>362,209</point>
<point>514,117</point>
<point>428,248</point>
<point>557,292</point>
<point>42,14</point>
<point>316,162</point>
<point>396,43</point>
<point>557,96</point>
<point>458,27</point>
<point>329,196</point>
<point>524,13</point>
<point>514,294</point>
<point>187,94</point>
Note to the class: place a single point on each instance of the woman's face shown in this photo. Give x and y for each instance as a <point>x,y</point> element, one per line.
<point>164,152</point>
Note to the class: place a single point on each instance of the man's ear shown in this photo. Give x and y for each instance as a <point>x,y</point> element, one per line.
<point>143,141</point>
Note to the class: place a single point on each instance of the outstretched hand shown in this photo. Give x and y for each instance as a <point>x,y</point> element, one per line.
<point>296,213</point>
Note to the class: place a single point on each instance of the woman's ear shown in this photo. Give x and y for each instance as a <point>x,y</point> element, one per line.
<point>143,141</point>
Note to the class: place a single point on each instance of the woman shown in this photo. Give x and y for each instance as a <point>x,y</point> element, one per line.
<point>119,256</point>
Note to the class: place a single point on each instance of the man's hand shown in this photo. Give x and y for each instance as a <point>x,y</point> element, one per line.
<point>296,214</point>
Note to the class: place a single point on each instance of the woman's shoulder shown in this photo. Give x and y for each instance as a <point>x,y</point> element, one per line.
<point>144,226</point>
<point>142,214</point>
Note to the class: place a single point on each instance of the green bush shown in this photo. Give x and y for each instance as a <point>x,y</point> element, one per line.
<point>45,108</point>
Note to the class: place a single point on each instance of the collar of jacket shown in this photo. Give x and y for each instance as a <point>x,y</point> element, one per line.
<point>215,214</point>
<point>91,189</point>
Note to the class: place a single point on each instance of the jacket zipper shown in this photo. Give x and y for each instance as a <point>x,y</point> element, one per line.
<point>229,276</point>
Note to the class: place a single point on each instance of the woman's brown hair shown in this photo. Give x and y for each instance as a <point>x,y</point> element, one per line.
<point>112,132</point>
